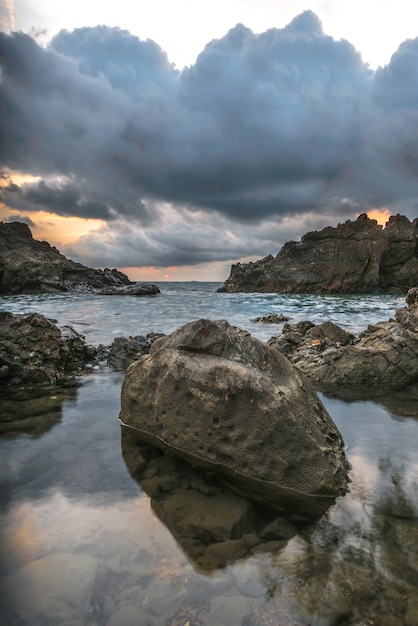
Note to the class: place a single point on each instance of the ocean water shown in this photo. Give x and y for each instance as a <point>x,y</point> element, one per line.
<point>101,319</point>
<point>82,544</point>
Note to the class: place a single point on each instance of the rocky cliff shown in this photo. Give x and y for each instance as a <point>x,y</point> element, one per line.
<point>31,266</point>
<point>355,257</point>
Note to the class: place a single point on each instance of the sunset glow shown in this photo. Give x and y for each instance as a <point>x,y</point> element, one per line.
<point>380,215</point>
<point>55,229</point>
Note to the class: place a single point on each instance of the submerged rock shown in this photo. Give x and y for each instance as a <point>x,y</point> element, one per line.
<point>224,401</point>
<point>31,266</point>
<point>383,357</point>
<point>133,289</point>
<point>355,257</point>
<point>272,318</point>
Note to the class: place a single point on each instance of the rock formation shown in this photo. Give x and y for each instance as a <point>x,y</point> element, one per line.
<point>355,257</point>
<point>224,401</point>
<point>125,350</point>
<point>383,357</point>
<point>31,266</point>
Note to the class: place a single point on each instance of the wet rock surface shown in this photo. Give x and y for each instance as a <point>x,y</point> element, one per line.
<point>213,395</point>
<point>354,257</point>
<point>384,356</point>
<point>31,266</point>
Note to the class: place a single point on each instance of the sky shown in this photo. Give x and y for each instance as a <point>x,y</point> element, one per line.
<point>171,139</point>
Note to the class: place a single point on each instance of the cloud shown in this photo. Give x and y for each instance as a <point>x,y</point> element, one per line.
<point>7,16</point>
<point>21,218</point>
<point>263,128</point>
<point>182,237</point>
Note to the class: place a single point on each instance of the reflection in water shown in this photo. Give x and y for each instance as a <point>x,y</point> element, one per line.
<point>32,411</point>
<point>213,525</point>
<point>403,403</point>
<point>82,544</point>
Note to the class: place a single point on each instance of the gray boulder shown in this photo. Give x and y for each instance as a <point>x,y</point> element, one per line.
<point>224,401</point>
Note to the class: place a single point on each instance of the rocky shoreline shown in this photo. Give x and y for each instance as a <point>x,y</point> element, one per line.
<point>35,351</point>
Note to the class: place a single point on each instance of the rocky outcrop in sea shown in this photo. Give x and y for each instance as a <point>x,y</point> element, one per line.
<point>31,266</point>
<point>355,257</point>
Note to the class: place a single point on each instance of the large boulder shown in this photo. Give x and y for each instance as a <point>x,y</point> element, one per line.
<point>228,403</point>
<point>355,257</point>
<point>383,357</point>
<point>31,266</point>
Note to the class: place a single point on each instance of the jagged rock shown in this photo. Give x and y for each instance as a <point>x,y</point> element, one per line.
<point>226,402</point>
<point>31,266</point>
<point>383,357</point>
<point>33,350</point>
<point>355,257</point>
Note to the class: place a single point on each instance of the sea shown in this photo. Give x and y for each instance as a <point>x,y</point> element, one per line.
<point>81,544</point>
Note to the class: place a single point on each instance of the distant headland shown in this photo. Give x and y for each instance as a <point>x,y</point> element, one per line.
<point>358,256</point>
<point>31,266</point>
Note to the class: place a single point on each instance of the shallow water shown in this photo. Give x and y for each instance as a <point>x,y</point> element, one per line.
<point>81,545</point>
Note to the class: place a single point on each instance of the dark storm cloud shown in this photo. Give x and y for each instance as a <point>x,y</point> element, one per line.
<point>71,197</point>
<point>21,218</point>
<point>261,128</point>
<point>183,237</point>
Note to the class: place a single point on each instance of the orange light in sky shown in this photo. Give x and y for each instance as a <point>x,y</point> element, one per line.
<point>53,228</point>
<point>149,273</point>
<point>380,215</point>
